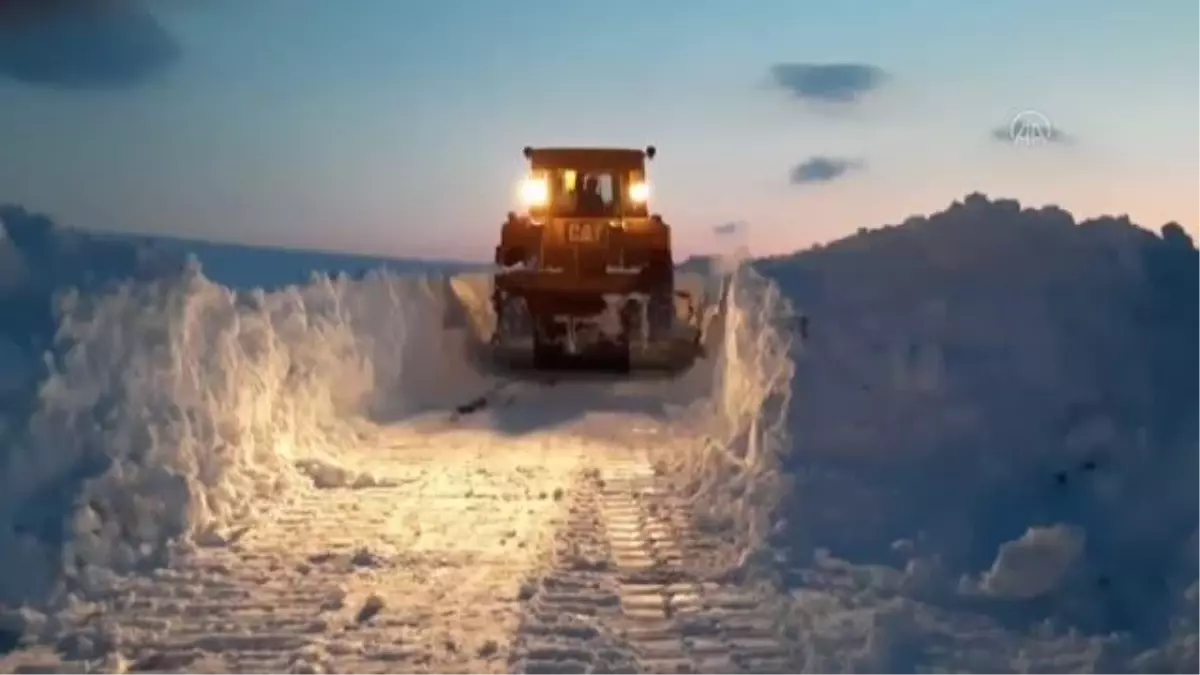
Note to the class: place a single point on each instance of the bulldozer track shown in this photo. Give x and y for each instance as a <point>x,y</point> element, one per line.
<point>623,596</point>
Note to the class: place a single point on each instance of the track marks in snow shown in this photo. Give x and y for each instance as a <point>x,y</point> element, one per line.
<point>556,551</point>
<point>624,596</point>
<point>421,574</point>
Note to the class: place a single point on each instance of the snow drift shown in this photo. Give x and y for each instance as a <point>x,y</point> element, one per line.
<point>995,420</point>
<point>731,472</point>
<point>148,407</point>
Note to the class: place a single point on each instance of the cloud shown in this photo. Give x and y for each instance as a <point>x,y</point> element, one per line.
<point>1031,129</point>
<point>820,169</point>
<point>827,82</point>
<point>82,44</point>
<point>730,228</point>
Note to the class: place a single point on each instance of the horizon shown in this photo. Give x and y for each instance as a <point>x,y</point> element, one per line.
<point>395,130</point>
<point>679,259</point>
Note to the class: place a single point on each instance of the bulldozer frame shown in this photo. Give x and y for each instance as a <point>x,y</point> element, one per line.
<point>585,275</point>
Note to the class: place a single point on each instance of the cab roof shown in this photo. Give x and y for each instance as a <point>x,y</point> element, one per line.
<point>589,159</point>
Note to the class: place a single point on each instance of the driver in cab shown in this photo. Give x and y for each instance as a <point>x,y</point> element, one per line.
<point>591,203</point>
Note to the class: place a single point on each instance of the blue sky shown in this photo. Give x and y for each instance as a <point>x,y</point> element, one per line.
<point>395,126</point>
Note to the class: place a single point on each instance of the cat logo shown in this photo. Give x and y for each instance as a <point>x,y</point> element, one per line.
<point>583,233</point>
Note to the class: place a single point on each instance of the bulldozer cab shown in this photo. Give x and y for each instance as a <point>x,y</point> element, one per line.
<point>586,183</point>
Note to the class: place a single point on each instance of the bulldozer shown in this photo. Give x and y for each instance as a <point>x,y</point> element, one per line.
<point>585,278</point>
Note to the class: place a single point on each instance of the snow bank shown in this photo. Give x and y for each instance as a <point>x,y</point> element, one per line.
<point>752,393</point>
<point>39,258</point>
<point>1001,405</point>
<point>37,261</point>
<point>169,407</point>
<point>740,411</point>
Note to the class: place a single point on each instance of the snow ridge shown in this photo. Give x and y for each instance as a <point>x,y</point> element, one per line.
<point>173,410</point>
<point>733,475</point>
<point>995,426</point>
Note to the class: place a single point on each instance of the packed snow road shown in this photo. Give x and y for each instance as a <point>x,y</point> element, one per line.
<point>475,547</point>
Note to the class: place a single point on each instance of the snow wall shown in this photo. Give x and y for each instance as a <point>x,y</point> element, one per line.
<point>172,408</point>
<point>994,445</point>
<point>162,408</point>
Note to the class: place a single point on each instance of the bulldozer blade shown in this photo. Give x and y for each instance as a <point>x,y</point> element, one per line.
<point>662,359</point>
<point>647,361</point>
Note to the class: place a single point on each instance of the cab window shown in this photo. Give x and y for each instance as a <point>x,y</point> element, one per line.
<point>582,194</point>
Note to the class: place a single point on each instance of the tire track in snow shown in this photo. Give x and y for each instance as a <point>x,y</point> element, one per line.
<point>622,596</point>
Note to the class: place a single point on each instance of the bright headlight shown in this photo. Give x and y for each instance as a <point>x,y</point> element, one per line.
<point>534,192</point>
<point>639,192</point>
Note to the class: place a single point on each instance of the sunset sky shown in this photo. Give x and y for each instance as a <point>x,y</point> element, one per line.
<point>396,126</point>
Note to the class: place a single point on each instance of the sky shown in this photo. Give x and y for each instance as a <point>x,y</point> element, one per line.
<point>395,127</point>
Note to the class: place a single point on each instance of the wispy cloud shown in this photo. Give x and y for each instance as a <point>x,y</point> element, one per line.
<point>730,228</point>
<point>822,169</point>
<point>828,82</point>
<point>82,44</point>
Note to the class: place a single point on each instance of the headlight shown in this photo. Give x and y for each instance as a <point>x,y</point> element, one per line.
<point>534,192</point>
<point>639,193</point>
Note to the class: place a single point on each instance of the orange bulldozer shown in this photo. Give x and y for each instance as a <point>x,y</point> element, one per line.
<point>585,276</point>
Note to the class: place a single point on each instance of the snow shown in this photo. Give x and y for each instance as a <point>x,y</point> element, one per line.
<point>1004,401</point>
<point>171,407</point>
<point>966,443</point>
<point>179,426</point>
